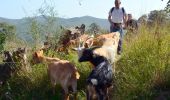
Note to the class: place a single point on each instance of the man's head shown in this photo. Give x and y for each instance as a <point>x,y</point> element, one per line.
<point>117,3</point>
<point>129,16</point>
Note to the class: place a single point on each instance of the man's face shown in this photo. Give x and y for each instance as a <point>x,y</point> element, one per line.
<point>117,3</point>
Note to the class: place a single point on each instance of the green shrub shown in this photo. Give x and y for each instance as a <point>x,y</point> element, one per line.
<point>143,64</point>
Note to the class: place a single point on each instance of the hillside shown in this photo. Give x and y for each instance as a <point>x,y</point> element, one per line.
<point>22,25</point>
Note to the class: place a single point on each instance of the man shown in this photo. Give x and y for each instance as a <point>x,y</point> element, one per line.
<point>117,18</point>
<point>132,24</point>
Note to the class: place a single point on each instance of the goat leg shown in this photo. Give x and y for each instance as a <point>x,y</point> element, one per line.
<point>75,96</point>
<point>66,96</point>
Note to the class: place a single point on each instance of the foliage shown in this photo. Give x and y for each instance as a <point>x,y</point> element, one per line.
<point>158,17</point>
<point>155,17</point>
<point>143,19</point>
<point>46,29</point>
<point>6,32</point>
<point>143,69</point>
<point>94,28</point>
<point>35,32</point>
<point>167,8</point>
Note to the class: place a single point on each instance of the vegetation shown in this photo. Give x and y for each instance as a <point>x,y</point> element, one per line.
<point>167,8</point>
<point>158,17</point>
<point>142,72</point>
<point>6,32</point>
<point>94,28</point>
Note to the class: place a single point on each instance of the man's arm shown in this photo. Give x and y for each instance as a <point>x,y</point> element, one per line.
<point>125,18</point>
<point>109,19</point>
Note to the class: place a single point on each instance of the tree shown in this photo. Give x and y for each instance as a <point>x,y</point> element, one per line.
<point>94,28</point>
<point>6,31</point>
<point>143,19</point>
<point>157,16</point>
<point>35,32</point>
<point>49,14</point>
<point>167,8</point>
<point>43,24</point>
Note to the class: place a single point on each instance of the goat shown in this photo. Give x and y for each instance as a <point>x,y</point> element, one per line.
<point>86,40</point>
<point>60,71</point>
<point>81,28</point>
<point>108,48</point>
<point>7,68</point>
<point>12,62</point>
<point>101,57</point>
<point>101,77</point>
<point>99,39</point>
<point>20,58</point>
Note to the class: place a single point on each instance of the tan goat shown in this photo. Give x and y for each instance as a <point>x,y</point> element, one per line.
<point>60,71</point>
<point>108,47</point>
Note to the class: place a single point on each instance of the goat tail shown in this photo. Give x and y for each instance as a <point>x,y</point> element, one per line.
<point>77,75</point>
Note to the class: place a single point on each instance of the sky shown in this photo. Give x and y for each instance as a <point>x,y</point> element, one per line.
<point>16,9</point>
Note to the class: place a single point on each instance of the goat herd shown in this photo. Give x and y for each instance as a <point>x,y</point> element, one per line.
<point>100,51</point>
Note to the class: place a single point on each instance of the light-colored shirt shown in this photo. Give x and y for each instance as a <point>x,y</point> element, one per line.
<point>117,15</point>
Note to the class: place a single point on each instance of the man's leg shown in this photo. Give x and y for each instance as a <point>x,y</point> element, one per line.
<point>119,49</point>
<point>113,29</point>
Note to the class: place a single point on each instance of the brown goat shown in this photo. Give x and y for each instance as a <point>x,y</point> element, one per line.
<point>98,40</point>
<point>60,71</point>
<point>108,44</point>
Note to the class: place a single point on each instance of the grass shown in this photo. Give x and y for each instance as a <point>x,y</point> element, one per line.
<point>143,65</point>
<point>142,73</point>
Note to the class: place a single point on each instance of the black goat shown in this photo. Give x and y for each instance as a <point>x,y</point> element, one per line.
<point>7,67</point>
<point>101,77</point>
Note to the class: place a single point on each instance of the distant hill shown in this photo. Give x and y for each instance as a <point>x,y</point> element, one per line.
<point>87,20</point>
<point>22,25</point>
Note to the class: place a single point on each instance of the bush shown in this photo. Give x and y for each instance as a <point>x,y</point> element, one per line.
<point>143,65</point>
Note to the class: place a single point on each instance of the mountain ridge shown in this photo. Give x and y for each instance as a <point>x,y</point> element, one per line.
<point>22,25</point>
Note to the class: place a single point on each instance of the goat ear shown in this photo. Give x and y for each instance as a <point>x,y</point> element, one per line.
<point>41,52</point>
<point>17,52</point>
<point>86,45</point>
<point>25,49</point>
<point>35,54</point>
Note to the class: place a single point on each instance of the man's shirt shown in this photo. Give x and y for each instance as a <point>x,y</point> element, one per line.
<point>117,15</point>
